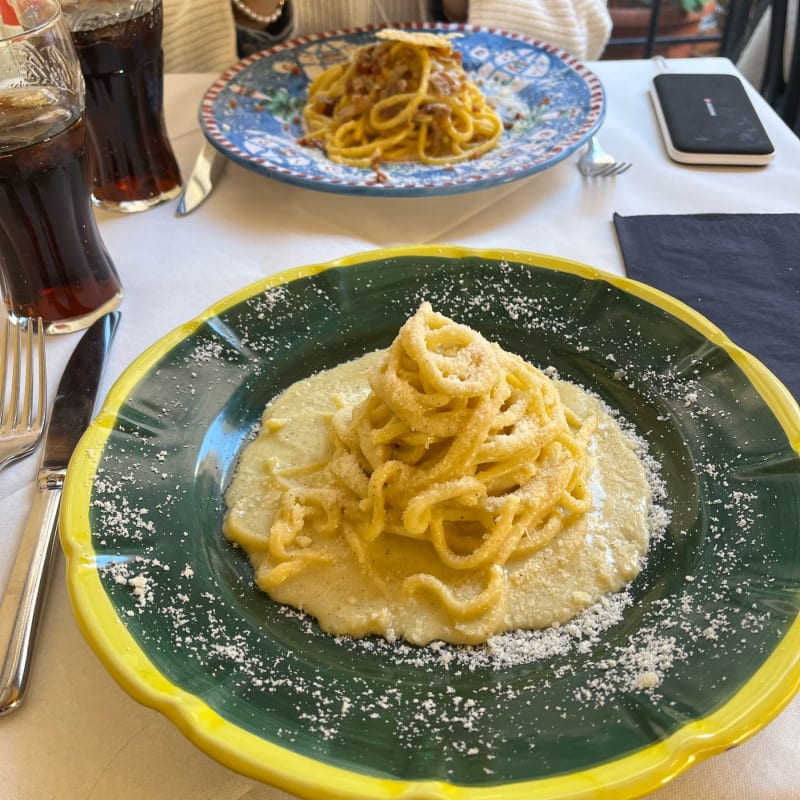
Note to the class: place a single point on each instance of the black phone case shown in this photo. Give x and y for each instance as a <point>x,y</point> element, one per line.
<point>709,116</point>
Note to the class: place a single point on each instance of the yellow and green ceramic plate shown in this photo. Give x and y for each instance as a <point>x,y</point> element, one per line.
<point>704,649</point>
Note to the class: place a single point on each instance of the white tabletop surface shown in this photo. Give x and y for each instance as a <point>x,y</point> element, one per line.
<point>78,736</point>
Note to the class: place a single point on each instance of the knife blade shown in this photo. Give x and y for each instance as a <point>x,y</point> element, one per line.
<point>22,605</point>
<point>207,170</point>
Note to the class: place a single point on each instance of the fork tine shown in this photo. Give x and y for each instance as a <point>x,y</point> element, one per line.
<point>13,351</point>
<point>3,367</point>
<point>41,398</point>
<point>29,412</point>
<point>27,399</point>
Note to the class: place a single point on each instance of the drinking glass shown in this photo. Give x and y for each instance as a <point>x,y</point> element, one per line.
<point>53,263</point>
<point>132,163</point>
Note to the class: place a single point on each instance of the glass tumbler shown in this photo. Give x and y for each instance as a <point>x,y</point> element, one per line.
<point>131,160</point>
<point>53,263</point>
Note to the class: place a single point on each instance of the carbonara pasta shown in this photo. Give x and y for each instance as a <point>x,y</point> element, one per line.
<point>448,495</point>
<point>405,98</point>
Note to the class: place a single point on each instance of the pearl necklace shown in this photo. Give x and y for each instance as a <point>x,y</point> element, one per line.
<point>264,20</point>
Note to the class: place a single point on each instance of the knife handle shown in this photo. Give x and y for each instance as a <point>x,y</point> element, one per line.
<point>22,604</point>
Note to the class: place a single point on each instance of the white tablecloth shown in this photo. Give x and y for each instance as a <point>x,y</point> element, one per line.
<point>79,736</point>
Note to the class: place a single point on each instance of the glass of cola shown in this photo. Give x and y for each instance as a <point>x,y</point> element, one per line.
<point>131,160</point>
<point>53,263</point>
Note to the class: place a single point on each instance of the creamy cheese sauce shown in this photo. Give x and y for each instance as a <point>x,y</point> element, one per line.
<point>595,554</point>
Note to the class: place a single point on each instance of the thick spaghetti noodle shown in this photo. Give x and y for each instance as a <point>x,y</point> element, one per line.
<point>405,98</point>
<point>440,500</point>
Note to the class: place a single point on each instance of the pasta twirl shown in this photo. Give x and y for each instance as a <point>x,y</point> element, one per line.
<point>405,98</point>
<point>462,445</point>
<point>441,489</point>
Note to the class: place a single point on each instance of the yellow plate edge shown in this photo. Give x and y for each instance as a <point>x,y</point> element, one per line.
<point>757,703</point>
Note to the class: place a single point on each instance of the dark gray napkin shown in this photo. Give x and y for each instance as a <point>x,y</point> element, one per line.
<point>741,271</point>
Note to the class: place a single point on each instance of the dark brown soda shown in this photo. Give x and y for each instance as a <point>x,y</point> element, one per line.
<point>123,67</point>
<point>54,263</point>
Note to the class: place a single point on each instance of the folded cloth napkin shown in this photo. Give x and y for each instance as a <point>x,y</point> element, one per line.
<point>741,271</point>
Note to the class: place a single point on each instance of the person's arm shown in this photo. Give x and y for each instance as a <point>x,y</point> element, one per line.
<point>199,35</point>
<point>581,27</point>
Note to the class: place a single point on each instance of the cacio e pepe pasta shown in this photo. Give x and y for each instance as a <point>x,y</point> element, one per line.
<point>440,489</point>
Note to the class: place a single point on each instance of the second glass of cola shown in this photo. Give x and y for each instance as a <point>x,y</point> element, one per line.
<point>131,160</point>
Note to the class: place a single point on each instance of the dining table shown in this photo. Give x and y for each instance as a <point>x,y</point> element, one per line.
<point>78,735</point>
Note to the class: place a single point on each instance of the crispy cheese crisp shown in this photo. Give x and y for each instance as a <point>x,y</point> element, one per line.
<point>436,41</point>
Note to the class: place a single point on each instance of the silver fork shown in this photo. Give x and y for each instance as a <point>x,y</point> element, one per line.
<point>22,391</point>
<point>596,163</point>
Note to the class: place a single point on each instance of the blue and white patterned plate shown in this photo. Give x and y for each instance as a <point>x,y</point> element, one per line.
<point>550,102</point>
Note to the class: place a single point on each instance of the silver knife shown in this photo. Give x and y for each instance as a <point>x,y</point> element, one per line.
<point>207,170</point>
<point>22,604</point>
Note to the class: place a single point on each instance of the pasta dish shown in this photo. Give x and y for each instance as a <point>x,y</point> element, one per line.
<point>448,493</point>
<point>404,98</point>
